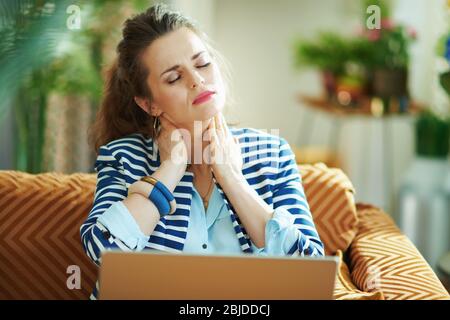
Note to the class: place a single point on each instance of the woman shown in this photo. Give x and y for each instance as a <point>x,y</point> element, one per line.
<point>172,175</point>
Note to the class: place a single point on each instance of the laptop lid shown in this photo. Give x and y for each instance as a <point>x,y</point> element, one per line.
<point>166,276</point>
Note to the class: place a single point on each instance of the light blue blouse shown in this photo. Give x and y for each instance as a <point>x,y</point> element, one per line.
<point>208,233</point>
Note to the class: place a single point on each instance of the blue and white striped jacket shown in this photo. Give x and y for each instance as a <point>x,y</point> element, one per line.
<point>269,166</point>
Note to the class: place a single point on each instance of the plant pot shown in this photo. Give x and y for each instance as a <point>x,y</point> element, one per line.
<point>349,90</point>
<point>390,83</point>
<point>329,83</point>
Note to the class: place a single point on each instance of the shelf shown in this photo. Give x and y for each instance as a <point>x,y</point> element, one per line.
<point>368,106</point>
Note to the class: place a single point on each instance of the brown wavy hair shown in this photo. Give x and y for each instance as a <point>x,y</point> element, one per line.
<point>119,115</point>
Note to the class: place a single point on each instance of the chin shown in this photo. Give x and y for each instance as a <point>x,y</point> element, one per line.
<point>210,112</point>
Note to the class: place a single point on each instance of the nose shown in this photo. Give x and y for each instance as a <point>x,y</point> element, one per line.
<point>196,79</point>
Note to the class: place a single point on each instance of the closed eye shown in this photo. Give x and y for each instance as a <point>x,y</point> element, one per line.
<point>203,66</point>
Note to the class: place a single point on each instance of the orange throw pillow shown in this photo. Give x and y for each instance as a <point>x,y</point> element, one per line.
<point>330,195</point>
<point>382,257</point>
<point>345,289</point>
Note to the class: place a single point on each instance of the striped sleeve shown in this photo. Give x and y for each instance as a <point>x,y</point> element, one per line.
<point>288,194</point>
<point>110,188</point>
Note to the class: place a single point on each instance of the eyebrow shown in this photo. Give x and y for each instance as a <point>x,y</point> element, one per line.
<point>195,56</point>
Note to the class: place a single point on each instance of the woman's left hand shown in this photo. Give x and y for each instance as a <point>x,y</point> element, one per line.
<point>225,152</point>
<point>226,162</point>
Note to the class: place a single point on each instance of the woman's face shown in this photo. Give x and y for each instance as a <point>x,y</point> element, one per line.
<point>181,68</point>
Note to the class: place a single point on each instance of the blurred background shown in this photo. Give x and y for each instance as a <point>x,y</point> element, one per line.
<point>359,85</point>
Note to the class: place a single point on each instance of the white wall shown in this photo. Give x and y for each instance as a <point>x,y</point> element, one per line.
<point>431,22</point>
<point>202,11</point>
<point>256,36</point>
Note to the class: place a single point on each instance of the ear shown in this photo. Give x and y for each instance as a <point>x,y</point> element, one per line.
<point>145,105</point>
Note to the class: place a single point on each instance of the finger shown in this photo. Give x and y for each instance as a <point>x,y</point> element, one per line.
<point>212,144</point>
<point>213,123</point>
<point>210,124</point>
<point>217,121</point>
<point>224,132</point>
<point>206,136</point>
<point>212,130</point>
<point>213,133</point>
<point>225,126</point>
<point>218,125</point>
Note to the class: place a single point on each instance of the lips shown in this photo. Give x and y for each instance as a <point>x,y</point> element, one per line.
<point>202,97</point>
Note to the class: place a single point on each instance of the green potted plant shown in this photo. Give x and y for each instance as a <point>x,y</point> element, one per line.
<point>386,56</point>
<point>332,54</point>
<point>432,135</point>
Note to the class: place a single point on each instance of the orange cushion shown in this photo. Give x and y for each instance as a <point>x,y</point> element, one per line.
<point>330,196</point>
<point>40,218</point>
<point>382,258</point>
<point>345,289</point>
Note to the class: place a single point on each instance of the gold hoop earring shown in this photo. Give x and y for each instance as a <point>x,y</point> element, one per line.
<point>156,127</point>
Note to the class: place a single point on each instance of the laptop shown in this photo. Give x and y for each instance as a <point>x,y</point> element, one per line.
<point>157,275</point>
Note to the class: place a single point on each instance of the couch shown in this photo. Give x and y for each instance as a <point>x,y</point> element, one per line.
<point>40,246</point>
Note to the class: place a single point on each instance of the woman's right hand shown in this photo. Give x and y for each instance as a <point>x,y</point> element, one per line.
<point>172,143</point>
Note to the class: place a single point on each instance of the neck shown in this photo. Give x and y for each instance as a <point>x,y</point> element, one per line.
<point>202,169</point>
<point>199,142</point>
